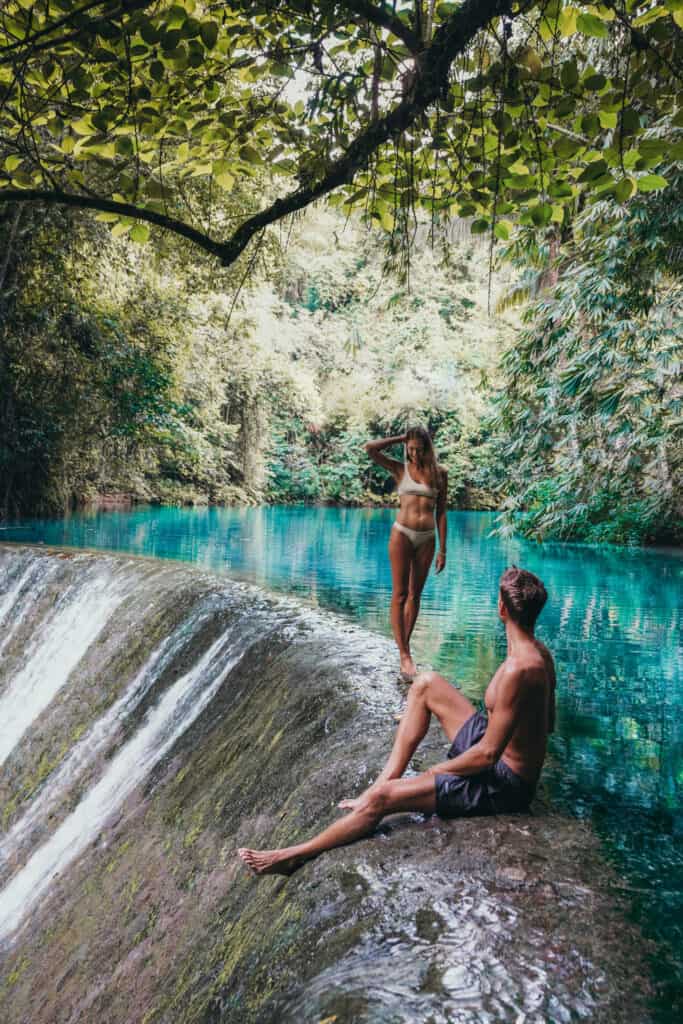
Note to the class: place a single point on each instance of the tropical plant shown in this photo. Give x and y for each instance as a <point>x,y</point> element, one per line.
<point>590,416</point>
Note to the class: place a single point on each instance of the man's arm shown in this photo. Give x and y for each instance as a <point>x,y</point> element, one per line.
<point>510,694</point>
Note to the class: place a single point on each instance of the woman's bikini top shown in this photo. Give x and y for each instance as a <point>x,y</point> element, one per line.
<point>410,486</point>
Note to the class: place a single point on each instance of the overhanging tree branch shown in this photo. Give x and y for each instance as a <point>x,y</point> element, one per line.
<point>102,205</point>
<point>430,83</point>
<point>385,18</point>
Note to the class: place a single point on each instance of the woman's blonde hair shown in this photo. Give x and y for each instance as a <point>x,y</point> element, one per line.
<point>432,466</point>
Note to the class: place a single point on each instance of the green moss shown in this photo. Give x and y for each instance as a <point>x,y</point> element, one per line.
<point>113,863</point>
<point>150,1015</point>
<point>14,975</point>
<point>193,835</point>
<point>131,891</point>
<point>34,781</point>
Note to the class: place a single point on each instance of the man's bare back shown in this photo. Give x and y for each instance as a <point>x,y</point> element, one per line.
<point>532,664</point>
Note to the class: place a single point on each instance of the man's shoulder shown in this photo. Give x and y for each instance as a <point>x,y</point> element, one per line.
<point>512,672</point>
<point>548,661</point>
<point>529,668</point>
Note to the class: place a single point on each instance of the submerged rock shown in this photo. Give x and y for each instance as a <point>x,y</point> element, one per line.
<point>205,715</point>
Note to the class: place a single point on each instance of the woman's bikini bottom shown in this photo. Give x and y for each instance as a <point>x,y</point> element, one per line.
<point>416,537</point>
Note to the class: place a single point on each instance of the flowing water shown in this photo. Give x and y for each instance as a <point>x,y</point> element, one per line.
<point>87,720</point>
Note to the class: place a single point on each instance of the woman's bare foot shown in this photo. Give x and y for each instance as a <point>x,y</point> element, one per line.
<point>408,668</point>
<point>271,862</point>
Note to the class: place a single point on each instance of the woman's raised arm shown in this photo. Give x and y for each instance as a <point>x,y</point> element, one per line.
<point>374,450</point>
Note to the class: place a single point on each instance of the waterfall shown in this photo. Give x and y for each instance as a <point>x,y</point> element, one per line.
<point>13,609</point>
<point>174,713</point>
<point>98,738</point>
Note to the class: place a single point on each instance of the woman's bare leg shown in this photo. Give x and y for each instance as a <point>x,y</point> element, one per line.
<point>400,556</point>
<point>429,695</point>
<point>399,795</point>
<point>419,570</point>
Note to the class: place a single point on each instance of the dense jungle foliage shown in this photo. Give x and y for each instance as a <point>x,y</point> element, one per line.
<point>125,370</point>
<point>591,418</point>
<point>173,329</point>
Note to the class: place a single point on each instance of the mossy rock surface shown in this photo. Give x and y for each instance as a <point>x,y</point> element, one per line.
<point>491,919</point>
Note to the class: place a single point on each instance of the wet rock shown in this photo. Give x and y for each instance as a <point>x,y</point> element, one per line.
<point>517,918</point>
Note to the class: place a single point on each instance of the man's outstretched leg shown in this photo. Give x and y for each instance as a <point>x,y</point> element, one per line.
<point>430,694</point>
<point>384,798</point>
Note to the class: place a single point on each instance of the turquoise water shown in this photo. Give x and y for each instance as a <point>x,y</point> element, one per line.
<point>613,621</point>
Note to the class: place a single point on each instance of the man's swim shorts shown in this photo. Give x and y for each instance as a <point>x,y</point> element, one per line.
<point>497,790</point>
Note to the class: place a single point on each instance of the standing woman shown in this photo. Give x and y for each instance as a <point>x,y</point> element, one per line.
<point>422,488</point>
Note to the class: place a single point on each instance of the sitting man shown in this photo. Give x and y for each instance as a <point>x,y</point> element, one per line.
<point>495,757</point>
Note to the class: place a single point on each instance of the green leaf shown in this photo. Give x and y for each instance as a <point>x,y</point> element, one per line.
<point>590,125</point>
<point>149,32</point>
<point>225,180</point>
<point>589,25</point>
<point>209,33</point>
<point>608,119</point>
<point>651,182</point>
<point>624,189</point>
<point>566,147</point>
<point>651,15</point>
<point>518,167</point>
<point>250,155</point>
<point>502,229</point>
<point>120,229</point>
<point>12,162</point>
<point>386,218</point>
<point>593,170</point>
<point>83,126</point>
<point>653,147</point>
<point>140,233</point>
<point>569,75</point>
<point>479,226</point>
<point>594,83</point>
<point>567,21</point>
<point>541,214</point>
<point>124,146</point>
<point>630,120</point>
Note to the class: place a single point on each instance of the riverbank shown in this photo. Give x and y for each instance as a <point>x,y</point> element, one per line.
<point>157,920</point>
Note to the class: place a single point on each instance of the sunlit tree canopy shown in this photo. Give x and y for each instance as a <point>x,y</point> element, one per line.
<point>152,111</point>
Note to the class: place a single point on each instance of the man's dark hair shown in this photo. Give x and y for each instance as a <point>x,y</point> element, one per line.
<point>523,595</point>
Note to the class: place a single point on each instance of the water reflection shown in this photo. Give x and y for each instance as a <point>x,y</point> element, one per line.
<point>613,621</point>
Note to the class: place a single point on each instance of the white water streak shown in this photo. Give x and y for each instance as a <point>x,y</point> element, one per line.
<point>10,598</point>
<point>79,619</point>
<point>175,712</point>
<point>98,736</point>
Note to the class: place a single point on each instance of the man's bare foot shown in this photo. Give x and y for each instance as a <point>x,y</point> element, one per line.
<point>357,802</point>
<point>271,862</point>
<point>350,804</point>
<point>408,668</point>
